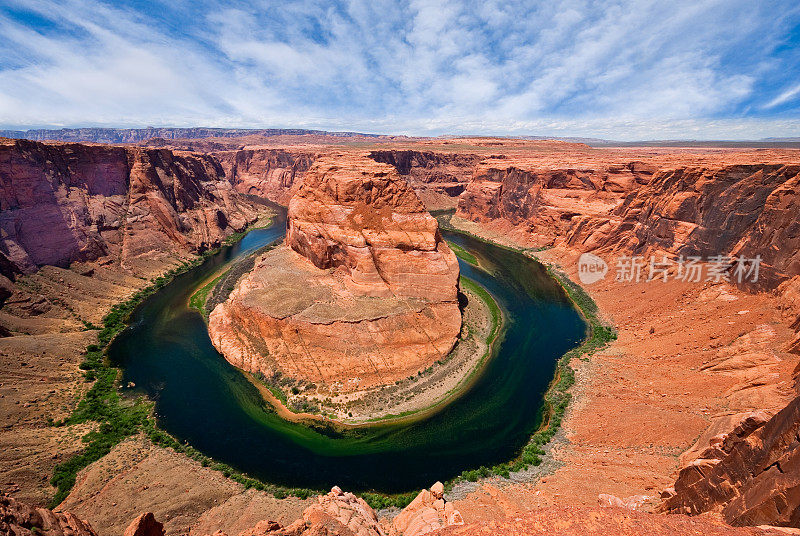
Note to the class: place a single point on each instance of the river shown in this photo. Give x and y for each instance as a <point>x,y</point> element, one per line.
<point>201,399</point>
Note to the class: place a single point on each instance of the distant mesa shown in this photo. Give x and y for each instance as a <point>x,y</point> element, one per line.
<point>137,135</point>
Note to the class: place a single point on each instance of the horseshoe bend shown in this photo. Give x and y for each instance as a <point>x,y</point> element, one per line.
<point>350,305</point>
<point>399,268</point>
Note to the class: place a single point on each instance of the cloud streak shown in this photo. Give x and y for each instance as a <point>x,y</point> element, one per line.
<point>620,68</point>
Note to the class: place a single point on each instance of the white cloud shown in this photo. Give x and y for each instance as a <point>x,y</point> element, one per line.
<point>620,68</point>
<point>784,97</point>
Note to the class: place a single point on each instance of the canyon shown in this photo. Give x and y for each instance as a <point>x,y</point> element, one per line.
<point>693,407</point>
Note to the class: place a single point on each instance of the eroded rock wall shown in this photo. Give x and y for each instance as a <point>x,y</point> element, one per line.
<point>275,174</point>
<point>710,210</point>
<point>444,173</point>
<point>61,203</point>
<point>751,474</point>
<point>547,200</point>
<point>364,218</point>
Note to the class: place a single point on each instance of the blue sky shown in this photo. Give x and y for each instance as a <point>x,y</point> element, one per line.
<point>623,69</point>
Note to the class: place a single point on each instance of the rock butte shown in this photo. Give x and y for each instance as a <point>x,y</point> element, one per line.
<point>712,378</point>
<point>363,293</point>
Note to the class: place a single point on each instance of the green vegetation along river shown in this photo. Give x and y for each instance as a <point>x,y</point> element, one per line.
<point>203,400</point>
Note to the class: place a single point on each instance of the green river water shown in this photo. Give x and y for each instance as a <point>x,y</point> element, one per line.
<point>203,400</point>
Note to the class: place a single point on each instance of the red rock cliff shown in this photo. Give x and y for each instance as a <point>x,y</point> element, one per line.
<point>363,217</point>
<point>363,293</point>
<point>709,210</point>
<point>545,198</point>
<point>61,203</point>
<point>751,475</point>
<point>272,173</point>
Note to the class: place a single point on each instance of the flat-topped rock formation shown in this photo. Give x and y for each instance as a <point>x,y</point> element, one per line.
<point>363,293</point>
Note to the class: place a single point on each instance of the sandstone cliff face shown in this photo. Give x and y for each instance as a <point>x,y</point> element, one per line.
<point>751,474</point>
<point>277,174</point>
<point>364,293</point>
<point>544,199</point>
<point>639,207</point>
<point>272,173</point>
<point>446,173</point>
<point>709,210</point>
<point>437,177</point>
<point>364,218</point>
<point>61,203</point>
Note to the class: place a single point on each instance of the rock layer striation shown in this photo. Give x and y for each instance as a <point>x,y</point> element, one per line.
<point>363,293</point>
<point>61,203</point>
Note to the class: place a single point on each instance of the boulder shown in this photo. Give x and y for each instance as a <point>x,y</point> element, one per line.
<point>426,513</point>
<point>145,525</point>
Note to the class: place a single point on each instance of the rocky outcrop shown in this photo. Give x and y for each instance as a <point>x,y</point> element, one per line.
<point>363,218</point>
<point>61,203</point>
<point>428,512</point>
<point>272,173</point>
<point>364,293</point>
<point>145,525</point>
<point>733,210</point>
<point>340,513</point>
<point>19,519</point>
<point>337,514</point>
<point>546,198</point>
<point>751,474</point>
